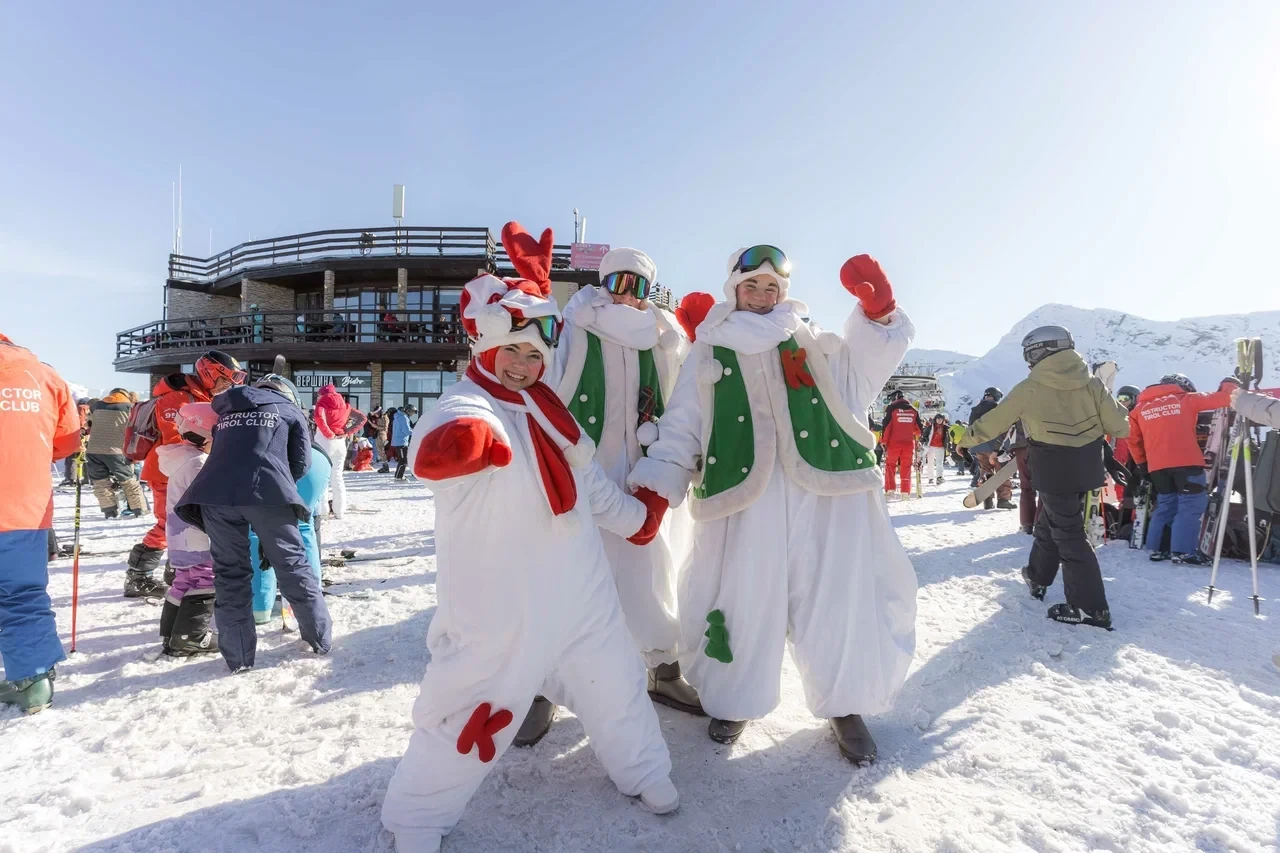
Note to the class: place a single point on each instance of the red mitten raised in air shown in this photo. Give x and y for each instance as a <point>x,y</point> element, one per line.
<point>655,508</point>
<point>692,311</point>
<point>861,275</point>
<point>460,447</point>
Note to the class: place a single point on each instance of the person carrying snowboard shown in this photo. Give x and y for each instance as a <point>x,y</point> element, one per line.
<point>987,455</point>
<point>1067,412</point>
<point>792,540</point>
<point>526,595</point>
<point>902,430</point>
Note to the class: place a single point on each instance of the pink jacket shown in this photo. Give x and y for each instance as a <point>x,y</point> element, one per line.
<point>331,412</point>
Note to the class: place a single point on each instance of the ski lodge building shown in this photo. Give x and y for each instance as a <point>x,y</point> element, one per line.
<point>373,311</point>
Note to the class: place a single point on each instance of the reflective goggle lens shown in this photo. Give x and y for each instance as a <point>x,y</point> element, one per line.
<point>627,284</point>
<point>753,258</point>
<point>548,327</point>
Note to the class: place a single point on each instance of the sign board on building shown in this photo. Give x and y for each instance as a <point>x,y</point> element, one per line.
<point>587,256</point>
<point>347,382</point>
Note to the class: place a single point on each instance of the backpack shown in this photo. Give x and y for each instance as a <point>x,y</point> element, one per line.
<point>141,432</point>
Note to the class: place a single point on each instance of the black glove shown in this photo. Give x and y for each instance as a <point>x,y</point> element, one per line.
<point>1118,472</point>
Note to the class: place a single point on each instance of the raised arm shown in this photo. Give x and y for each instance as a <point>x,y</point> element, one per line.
<point>461,437</point>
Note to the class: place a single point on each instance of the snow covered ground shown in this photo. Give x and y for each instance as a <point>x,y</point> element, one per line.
<point>1012,733</point>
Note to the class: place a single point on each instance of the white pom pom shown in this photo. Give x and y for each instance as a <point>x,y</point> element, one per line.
<point>668,339</point>
<point>710,373</point>
<point>647,433</point>
<point>830,342</point>
<point>580,454</point>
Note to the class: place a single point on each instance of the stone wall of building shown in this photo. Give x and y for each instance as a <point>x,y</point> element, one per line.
<point>329,279</point>
<point>189,305</point>
<point>268,297</point>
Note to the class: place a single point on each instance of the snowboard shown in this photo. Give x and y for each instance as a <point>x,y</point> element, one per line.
<point>1141,514</point>
<point>988,487</point>
<point>1217,462</point>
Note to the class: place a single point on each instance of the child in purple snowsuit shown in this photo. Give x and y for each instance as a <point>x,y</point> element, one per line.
<point>185,621</point>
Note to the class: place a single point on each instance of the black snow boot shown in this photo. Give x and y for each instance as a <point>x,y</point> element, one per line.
<point>855,742</point>
<point>168,616</point>
<point>1006,505</point>
<point>1028,529</point>
<point>1158,556</point>
<point>1037,591</point>
<point>400,471</point>
<point>1194,558</point>
<point>384,469</point>
<point>140,581</point>
<point>536,723</point>
<point>668,687</point>
<point>989,503</point>
<point>192,634</point>
<point>110,512</point>
<point>1074,616</point>
<point>726,731</point>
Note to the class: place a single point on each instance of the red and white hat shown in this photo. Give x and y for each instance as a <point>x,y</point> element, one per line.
<point>500,311</point>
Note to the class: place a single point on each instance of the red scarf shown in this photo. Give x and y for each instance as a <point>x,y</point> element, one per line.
<point>557,476</point>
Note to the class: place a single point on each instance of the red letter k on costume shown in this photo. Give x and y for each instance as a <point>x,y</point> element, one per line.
<point>480,729</point>
<point>794,368</point>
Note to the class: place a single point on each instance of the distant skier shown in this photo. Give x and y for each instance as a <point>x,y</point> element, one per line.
<point>105,463</point>
<point>902,430</point>
<point>986,455</point>
<point>38,426</point>
<point>1163,444</point>
<point>937,442</point>
<point>1066,411</point>
<point>400,433</point>
<point>331,414</point>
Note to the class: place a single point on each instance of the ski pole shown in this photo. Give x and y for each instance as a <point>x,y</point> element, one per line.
<point>75,547</point>
<point>1248,502</point>
<point>1225,509</point>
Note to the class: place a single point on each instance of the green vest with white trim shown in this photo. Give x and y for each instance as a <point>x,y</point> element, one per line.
<point>770,406</point>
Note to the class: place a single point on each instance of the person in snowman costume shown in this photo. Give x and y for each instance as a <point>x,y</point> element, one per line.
<point>792,539</point>
<point>525,594</point>
<point>614,368</point>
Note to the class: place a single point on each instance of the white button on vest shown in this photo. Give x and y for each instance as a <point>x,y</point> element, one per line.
<point>591,419</point>
<point>728,371</point>
<point>804,433</point>
<point>741,418</point>
<point>582,398</point>
<point>814,401</point>
<point>744,470</point>
<point>711,460</point>
<point>835,443</point>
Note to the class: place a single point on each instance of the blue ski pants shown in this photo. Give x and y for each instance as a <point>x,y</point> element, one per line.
<point>277,527</point>
<point>264,580</point>
<point>29,642</point>
<point>1181,502</point>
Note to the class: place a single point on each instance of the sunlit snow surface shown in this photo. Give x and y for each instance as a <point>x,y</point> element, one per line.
<point>1012,733</point>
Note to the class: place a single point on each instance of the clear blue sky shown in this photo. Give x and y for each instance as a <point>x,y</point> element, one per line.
<point>993,156</point>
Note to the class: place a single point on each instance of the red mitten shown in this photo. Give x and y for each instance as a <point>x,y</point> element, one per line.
<point>655,508</point>
<point>692,311</point>
<point>861,275</point>
<point>460,447</point>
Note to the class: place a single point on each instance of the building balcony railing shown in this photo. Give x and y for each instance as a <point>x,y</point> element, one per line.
<point>391,242</point>
<point>292,327</point>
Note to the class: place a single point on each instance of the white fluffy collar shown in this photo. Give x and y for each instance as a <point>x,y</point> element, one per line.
<point>593,309</point>
<point>750,333</point>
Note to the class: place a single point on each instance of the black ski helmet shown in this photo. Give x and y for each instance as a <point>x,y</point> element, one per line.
<point>1128,395</point>
<point>994,393</point>
<point>277,383</point>
<point>1178,379</point>
<point>1045,341</point>
<point>896,395</point>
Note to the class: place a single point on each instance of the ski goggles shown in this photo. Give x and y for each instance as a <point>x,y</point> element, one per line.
<point>1125,398</point>
<point>752,259</point>
<point>548,327</point>
<point>627,284</point>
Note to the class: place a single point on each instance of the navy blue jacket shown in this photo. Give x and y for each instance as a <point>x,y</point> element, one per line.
<point>261,448</point>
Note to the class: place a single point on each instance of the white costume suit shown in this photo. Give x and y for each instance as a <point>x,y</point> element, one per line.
<point>794,555</point>
<point>524,596</point>
<point>645,576</point>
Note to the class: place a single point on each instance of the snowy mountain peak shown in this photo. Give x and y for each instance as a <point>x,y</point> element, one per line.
<point>1203,348</point>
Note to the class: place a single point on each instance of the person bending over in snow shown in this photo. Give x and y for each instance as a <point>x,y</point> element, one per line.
<point>614,369</point>
<point>188,605</point>
<point>526,596</point>
<point>261,447</point>
<point>1067,412</point>
<point>792,539</point>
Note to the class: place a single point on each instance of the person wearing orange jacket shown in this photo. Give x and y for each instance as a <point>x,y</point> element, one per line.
<point>40,425</point>
<point>902,429</point>
<point>215,372</point>
<point>1162,443</point>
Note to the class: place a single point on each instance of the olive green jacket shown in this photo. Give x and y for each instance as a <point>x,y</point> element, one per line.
<point>1060,403</point>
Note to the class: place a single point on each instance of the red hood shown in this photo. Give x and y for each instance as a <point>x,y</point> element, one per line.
<point>180,382</point>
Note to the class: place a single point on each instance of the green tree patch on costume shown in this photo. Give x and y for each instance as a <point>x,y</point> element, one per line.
<point>718,638</point>
<point>819,437</point>
<point>588,400</point>
<point>731,449</point>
